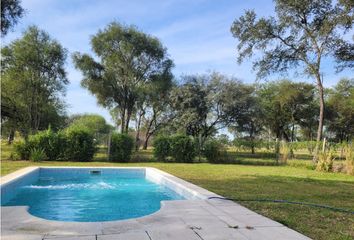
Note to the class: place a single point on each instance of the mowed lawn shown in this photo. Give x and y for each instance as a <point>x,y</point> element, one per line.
<point>295,182</point>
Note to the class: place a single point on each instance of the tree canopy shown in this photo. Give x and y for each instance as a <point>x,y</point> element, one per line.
<point>128,60</point>
<point>33,81</point>
<point>300,35</point>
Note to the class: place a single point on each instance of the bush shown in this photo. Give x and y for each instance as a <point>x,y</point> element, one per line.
<point>22,149</point>
<point>183,148</point>
<point>215,152</point>
<point>38,154</point>
<point>53,145</point>
<point>162,148</point>
<point>80,145</point>
<point>121,147</point>
<point>325,161</point>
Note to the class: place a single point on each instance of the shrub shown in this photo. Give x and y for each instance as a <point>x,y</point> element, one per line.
<point>162,148</point>
<point>183,148</point>
<point>325,161</point>
<point>80,145</point>
<point>53,145</point>
<point>121,147</point>
<point>38,154</point>
<point>215,152</point>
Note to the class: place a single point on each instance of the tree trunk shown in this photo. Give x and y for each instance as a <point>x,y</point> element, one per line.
<point>321,116</point>
<point>11,137</point>
<point>122,121</point>
<point>137,137</point>
<point>129,113</point>
<point>147,137</point>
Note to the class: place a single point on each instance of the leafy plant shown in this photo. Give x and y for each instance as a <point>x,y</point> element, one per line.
<point>325,161</point>
<point>215,152</point>
<point>80,145</point>
<point>121,147</point>
<point>37,154</point>
<point>183,148</point>
<point>162,148</point>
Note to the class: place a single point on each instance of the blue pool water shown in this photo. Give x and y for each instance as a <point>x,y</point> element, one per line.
<point>92,198</point>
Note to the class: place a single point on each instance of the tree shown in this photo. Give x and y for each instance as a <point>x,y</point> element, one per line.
<point>156,114</point>
<point>33,81</point>
<point>285,104</point>
<point>128,60</point>
<point>94,123</point>
<point>207,103</point>
<point>341,110</point>
<point>300,36</point>
<point>11,12</point>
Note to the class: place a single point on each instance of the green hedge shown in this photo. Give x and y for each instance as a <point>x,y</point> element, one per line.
<point>183,148</point>
<point>215,152</point>
<point>121,147</point>
<point>76,144</point>
<point>80,145</point>
<point>162,148</point>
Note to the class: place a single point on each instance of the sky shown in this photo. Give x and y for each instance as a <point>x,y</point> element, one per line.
<point>195,32</point>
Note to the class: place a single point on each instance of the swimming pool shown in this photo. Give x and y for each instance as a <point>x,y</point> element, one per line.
<point>92,194</point>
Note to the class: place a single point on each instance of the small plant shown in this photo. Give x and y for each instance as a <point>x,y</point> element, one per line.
<point>215,152</point>
<point>349,159</point>
<point>162,148</point>
<point>325,161</point>
<point>37,154</point>
<point>121,148</point>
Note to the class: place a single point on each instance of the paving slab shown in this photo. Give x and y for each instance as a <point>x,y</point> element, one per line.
<point>125,236</point>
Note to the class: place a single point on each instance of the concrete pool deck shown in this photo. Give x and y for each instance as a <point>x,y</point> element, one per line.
<point>199,219</point>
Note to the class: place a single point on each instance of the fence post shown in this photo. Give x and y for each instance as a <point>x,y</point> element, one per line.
<point>324,145</point>
<point>109,145</point>
<point>277,149</point>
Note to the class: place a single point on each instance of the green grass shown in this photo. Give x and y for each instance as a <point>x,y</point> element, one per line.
<point>294,182</point>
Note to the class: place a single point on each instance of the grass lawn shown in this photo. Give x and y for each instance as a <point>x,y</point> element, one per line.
<point>294,182</point>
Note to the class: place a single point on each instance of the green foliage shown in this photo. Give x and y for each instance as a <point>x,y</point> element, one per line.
<point>162,148</point>
<point>121,147</point>
<point>80,145</point>
<point>11,12</point>
<point>37,155</point>
<point>215,151</point>
<point>128,61</point>
<point>74,144</point>
<point>22,149</point>
<point>183,148</point>
<point>325,161</point>
<point>341,110</point>
<point>33,80</point>
<point>53,145</point>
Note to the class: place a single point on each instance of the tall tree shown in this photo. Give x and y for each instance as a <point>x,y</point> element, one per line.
<point>11,12</point>
<point>286,104</point>
<point>33,80</point>
<point>301,35</point>
<point>341,110</point>
<point>128,60</point>
<point>206,103</point>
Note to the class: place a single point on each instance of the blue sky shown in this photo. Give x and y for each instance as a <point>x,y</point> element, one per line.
<point>195,32</point>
